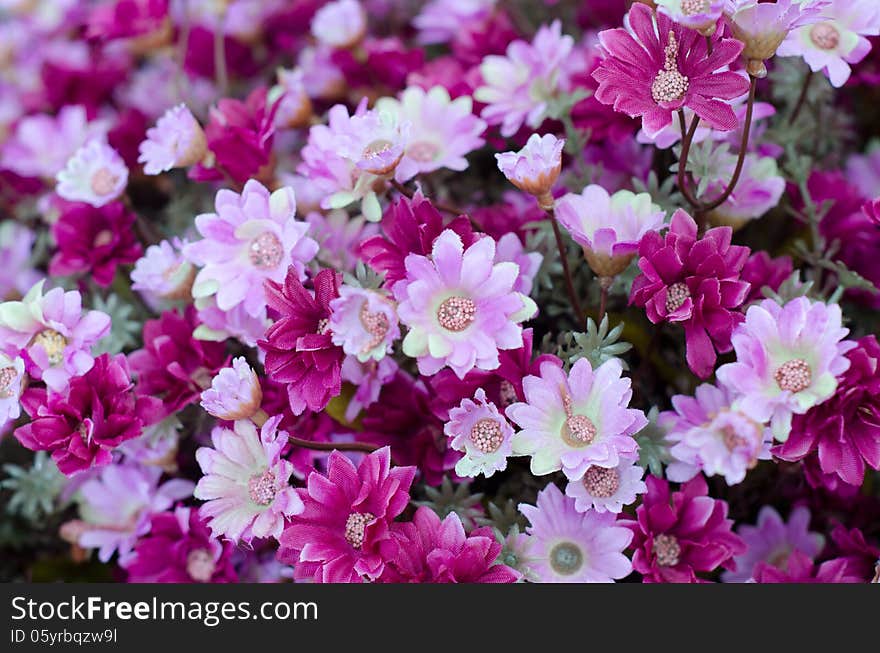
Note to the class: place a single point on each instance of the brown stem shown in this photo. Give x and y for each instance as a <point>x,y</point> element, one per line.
<point>182,47</point>
<point>687,138</point>
<point>604,287</point>
<point>365,447</point>
<point>802,98</point>
<point>220,56</point>
<point>563,257</point>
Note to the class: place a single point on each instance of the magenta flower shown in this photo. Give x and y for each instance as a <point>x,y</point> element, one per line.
<point>788,359</point>
<point>460,308</point>
<point>124,19</point>
<point>680,535</point>
<point>344,535</point>
<point>299,346</point>
<point>643,75</point>
<point>234,393</point>
<point>482,433</point>
<point>179,548</point>
<point>100,412</point>
<point>772,541</point>
<point>173,364</point>
<point>844,430</point>
<point>761,270</point>
<point>435,551</point>
<point>95,241</point>
<point>802,569</point>
<point>694,282</point>
<point>573,421</point>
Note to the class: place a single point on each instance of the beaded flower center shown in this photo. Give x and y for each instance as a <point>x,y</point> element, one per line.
<point>7,376</point>
<point>669,84</point>
<point>578,430</point>
<point>53,343</point>
<point>825,36</point>
<point>794,376</point>
<point>103,182</point>
<point>566,558</point>
<point>667,550</point>
<point>486,435</point>
<point>456,313</point>
<point>422,151</point>
<point>355,526</point>
<point>323,326</point>
<point>200,565</point>
<point>265,251</point>
<point>261,488</point>
<point>601,482</point>
<point>376,324</point>
<point>694,7</point>
<point>676,295</point>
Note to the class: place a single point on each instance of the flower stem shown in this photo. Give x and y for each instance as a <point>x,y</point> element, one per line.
<point>365,447</point>
<point>563,257</point>
<point>604,287</point>
<point>687,139</point>
<point>802,98</point>
<point>220,56</point>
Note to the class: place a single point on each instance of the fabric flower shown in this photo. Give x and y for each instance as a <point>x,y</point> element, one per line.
<point>460,307</point>
<point>571,422</point>
<point>694,282</point>
<point>801,569</point>
<point>177,141</point>
<point>772,541</point>
<point>699,15</point>
<point>760,271</point>
<point>643,75</point>
<point>678,535</point>
<point>164,272</point>
<point>16,248</point>
<point>607,489</point>
<point>246,481</point>
<point>234,393</point>
<point>340,24</point>
<point>363,322</point>
<point>510,248</point>
<point>535,168</point>
<point>788,359</point>
<point>299,346</point>
<point>12,382</point>
<point>482,433</point>
<point>844,430</point>
<point>440,21</point>
<point>95,174</point>
<point>344,535</point>
<point>563,545</point>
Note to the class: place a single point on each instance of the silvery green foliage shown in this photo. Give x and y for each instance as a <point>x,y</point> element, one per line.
<point>653,446</point>
<point>124,330</point>
<point>457,498</point>
<point>665,195</point>
<point>364,277</point>
<point>597,345</point>
<point>35,489</point>
<point>502,518</point>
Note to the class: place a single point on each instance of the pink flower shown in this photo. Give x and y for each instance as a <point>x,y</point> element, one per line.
<point>801,569</point>
<point>441,21</point>
<point>482,433</point>
<point>563,545</point>
<point>343,535</point>
<point>509,248</point>
<point>573,421</point>
<point>435,551</point>
<point>607,489</point>
<point>340,24</point>
<point>120,19</point>
<point>700,15</point>
<point>12,384</point>
<point>177,141</point>
<point>694,282</point>
<point>535,168</point>
<point>234,393</point>
<point>163,272</point>
<point>368,379</point>
<point>95,174</point>
<point>364,323</point>
<point>643,75</point>
<point>759,189</point>
<point>339,237</point>
<point>246,482</point>
<point>760,270</point>
<point>16,248</point>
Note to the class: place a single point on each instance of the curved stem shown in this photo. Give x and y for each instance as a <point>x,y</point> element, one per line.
<point>365,447</point>
<point>687,138</point>
<point>802,98</point>
<point>563,257</point>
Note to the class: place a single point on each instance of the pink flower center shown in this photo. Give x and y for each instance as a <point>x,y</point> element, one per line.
<point>261,488</point>
<point>566,558</point>
<point>265,251</point>
<point>486,435</point>
<point>7,376</point>
<point>825,36</point>
<point>355,526</point>
<point>669,84</point>
<point>103,182</point>
<point>376,324</point>
<point>422,151</point>
<point>103,238</point>
<point>731,438</point>
<point>456,313</point>
<point>794,376</point>
<point>676,295</point>
<point>693,7</point>
<point>507,393</point>
<point>601,482</point>
<point>323,326</point>
<point>200,565</point>
<point>667,550</point>
<point>53,343</point>
<point>377,148</point>
<point>578,430</point>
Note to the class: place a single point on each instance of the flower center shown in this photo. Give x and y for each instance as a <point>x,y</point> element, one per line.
<point>323,326</point>
<point>53,343</point>
<point>377,148</point>
<point>84,432</point>
<point>779,558</point>
<point>676,295</point>
<point>103,182</point>
<point>794,376</point>
<point>731,438</point>
<point>669,84</point>
<point>693,7</point>
<point>355,526</point>
<point>666,550</point>
<point>261,488</point>
<point>7,376</point>
<point>103,238</point>
<point>486,435</point>
<point>376,324</point>
<point>601,482</point>
<point>566,558</point>
<point>507,393</point>
<point>200,565</point>
<point>265,251</point>
<point>578,430</point>
<point>422,151</point>
<point>825,36</point>
<point>456,313</point>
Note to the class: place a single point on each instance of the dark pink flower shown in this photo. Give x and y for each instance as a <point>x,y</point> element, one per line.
<point>120,19</point>
<point>861,556</point>
<point>434,551</point>
<point>678,536</point>
<point>844,430</point>
<point>299,346</point>
<point>643,75</point>
<point>179,548</point>
<point>695,282</point>
<point>100,412</point>
<point>343,535</point>
<point>761,270</point>
<point>94,240</point>
<point>173,365</point>
<point>802,569</point>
